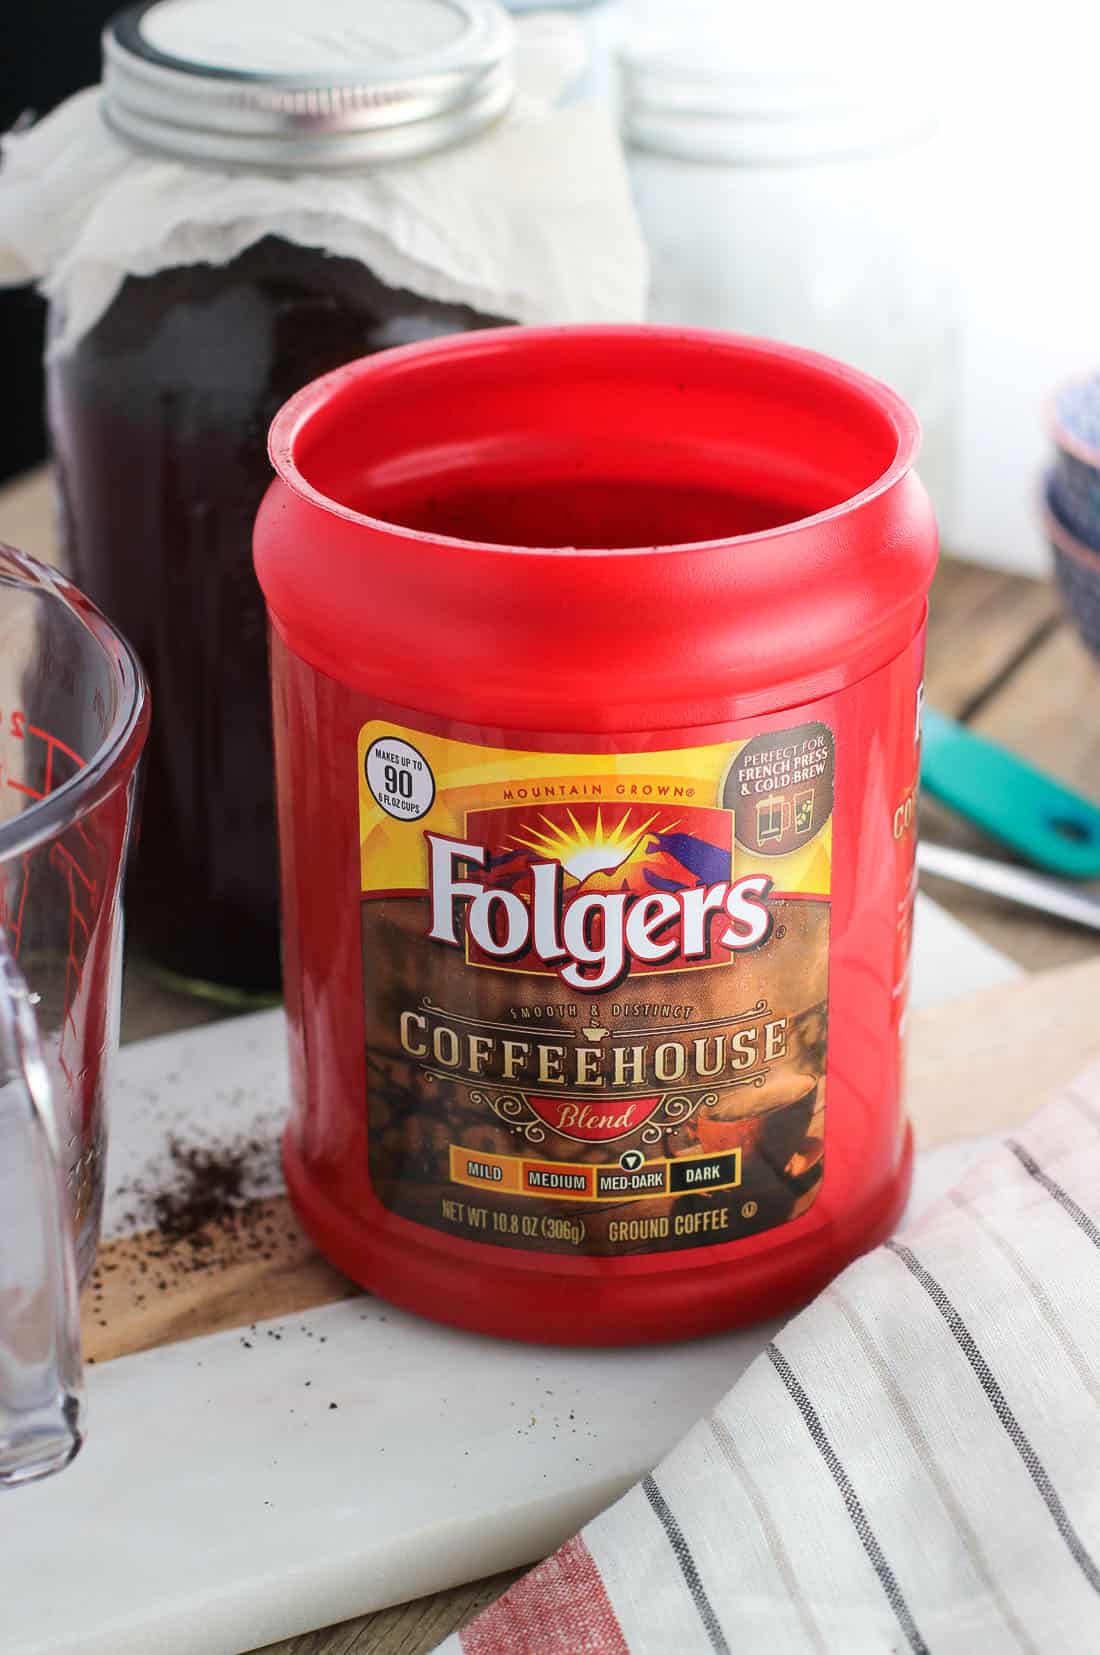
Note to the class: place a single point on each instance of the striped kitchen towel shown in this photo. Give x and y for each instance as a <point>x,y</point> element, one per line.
<point>912,1465</point>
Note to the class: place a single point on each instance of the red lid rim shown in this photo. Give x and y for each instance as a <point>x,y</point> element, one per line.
<point>292,419</point>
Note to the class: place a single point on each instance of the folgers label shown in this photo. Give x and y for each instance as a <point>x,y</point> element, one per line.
<point>596,986</point>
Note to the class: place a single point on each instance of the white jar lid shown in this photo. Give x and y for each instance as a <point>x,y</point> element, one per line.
<point>788,89</point>
<point>301,84</point>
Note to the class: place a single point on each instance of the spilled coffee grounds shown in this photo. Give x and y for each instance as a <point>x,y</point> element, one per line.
<point>199,1195</point>
<point>208,1189</point>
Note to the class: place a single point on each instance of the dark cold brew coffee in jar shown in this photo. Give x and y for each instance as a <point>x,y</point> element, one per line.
<point>157,417</point>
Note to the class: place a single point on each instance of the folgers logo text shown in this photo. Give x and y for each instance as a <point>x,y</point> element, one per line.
<point>564,891</point>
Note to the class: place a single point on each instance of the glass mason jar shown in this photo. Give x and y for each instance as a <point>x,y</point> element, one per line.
<point>799,204</point>
<point>159,416</point>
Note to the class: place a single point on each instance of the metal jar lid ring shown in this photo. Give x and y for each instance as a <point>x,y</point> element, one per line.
<point>271,85</point>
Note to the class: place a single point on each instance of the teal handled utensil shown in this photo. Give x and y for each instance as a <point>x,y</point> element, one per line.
<point>1044,822</point>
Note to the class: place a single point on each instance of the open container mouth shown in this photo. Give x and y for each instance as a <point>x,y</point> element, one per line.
<point>124,722</point>
<point>574,441</point>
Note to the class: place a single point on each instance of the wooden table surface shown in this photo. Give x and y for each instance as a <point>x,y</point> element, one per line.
<point>1001,658</point>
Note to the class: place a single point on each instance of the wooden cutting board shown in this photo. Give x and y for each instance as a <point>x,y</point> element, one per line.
<point>977,1065</point>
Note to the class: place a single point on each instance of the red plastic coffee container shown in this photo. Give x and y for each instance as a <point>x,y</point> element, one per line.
<point>597,658</point>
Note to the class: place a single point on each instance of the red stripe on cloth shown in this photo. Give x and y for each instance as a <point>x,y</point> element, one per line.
<point>559,1608</point>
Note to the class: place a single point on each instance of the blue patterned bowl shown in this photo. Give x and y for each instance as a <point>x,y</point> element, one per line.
<point>1075,428</point>
<point>1076,566</point>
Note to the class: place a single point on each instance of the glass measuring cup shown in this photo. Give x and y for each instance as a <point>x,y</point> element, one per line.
<point>73,721</point>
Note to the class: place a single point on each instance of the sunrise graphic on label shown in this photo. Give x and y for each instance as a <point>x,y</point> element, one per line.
<point>566,892</point>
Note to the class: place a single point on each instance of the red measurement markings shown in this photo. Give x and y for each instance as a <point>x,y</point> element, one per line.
<point>20,730</point>
<point>82,889</point>
<point>13,923</point>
